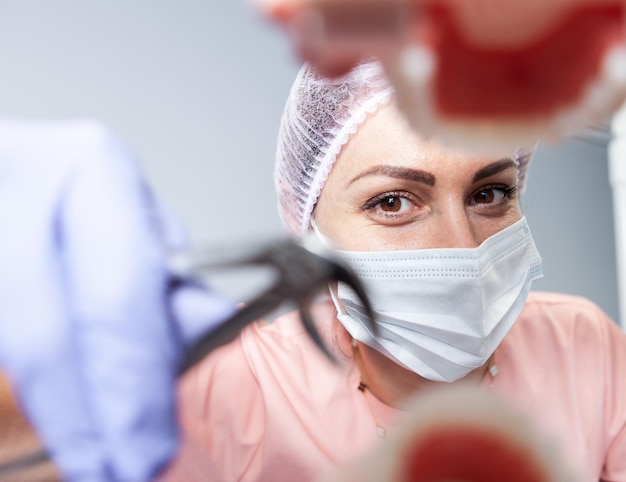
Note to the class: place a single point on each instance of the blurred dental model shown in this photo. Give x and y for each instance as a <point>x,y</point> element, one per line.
<point>484,74</point>
<point>459,433</point>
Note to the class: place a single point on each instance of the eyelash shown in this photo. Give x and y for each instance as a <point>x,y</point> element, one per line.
<point>508,191</point>
<point>376,200</point>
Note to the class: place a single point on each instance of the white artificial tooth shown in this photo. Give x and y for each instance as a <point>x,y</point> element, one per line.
<point>417,63</point>
<point>615,66</point>
<point>597,97</point>
<point>618,124</point>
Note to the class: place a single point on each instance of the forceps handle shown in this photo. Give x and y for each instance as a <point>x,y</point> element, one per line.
<point>230,328</point>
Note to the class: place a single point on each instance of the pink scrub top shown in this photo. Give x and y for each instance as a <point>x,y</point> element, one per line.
<point>270,407</point>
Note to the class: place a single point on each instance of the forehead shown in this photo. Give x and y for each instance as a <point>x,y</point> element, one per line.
<point>385,138</point>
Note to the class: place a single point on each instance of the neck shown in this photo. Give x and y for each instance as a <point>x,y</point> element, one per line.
<point>391,383</point>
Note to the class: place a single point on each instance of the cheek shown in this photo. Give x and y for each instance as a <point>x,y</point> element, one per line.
<point>333,218</point>
<point>487,227</point>
<point>399,238</point>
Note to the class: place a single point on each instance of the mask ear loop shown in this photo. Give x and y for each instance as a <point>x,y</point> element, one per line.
<point>332,286</point>
<point>322,237</point>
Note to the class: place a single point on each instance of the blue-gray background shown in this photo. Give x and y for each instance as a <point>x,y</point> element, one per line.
<point>197,88</point>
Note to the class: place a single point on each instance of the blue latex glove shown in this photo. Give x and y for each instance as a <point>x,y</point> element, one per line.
<point>86,332</point>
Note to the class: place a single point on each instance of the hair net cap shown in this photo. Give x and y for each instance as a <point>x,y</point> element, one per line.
<point>319,117</point>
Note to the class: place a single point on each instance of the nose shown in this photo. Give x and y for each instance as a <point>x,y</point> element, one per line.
<point>455,230</point>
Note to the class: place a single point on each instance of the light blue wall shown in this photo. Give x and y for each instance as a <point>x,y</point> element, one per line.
<point>197,88</point>
<point>569,207</point>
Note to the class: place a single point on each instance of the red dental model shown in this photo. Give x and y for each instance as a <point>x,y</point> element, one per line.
<point>500,72</point>
<point>459,434</point>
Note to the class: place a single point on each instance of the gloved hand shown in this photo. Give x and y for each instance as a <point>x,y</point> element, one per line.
<point>87,306</point>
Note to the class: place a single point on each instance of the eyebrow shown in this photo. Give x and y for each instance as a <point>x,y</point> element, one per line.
<point>416,175</point>
<point>425,177</point>
<point>493,168</point>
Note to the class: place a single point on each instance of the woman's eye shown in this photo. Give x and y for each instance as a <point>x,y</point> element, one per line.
<point>392,204</point>
<point>492,195</point>
<point>486,196</point>
<point>392,207</point>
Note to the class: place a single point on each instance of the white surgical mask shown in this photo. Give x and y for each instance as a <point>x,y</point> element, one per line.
<point>442,312</point>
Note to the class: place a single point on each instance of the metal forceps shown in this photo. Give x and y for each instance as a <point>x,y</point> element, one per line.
<point>304,268</point>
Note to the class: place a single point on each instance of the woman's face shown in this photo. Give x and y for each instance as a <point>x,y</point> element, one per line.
<point>390,190</point>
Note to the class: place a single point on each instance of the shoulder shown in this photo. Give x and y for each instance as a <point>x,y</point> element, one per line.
<point>564,361</point>
<point>237,391</point>
<point>559,301</point>
<point>560,322</point>
<point>270,377</point>
<point>280,351</point>
<point>288,329</point>
<point>564,312</point>
<point>286,343</point>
